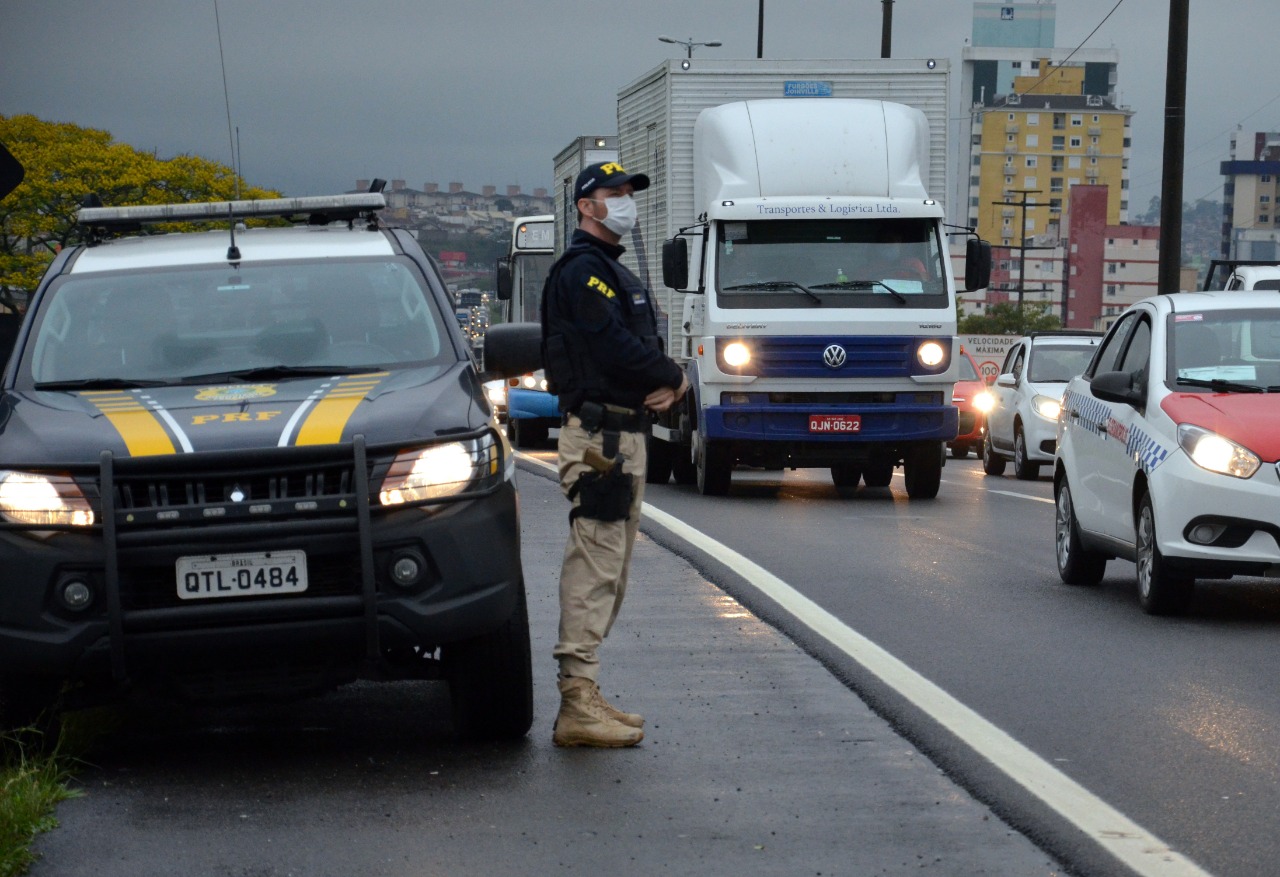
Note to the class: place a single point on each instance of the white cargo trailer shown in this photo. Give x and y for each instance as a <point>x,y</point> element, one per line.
<point>568,163</point>
<point>778,191</point>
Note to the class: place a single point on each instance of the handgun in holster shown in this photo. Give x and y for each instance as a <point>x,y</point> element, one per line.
<point>605,492</point>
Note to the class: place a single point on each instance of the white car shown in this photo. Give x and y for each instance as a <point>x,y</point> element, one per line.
<point>1023,423</point>
<point>1168,447</point>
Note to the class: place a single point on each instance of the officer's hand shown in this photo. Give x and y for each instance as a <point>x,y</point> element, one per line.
<point>664,397</point>
<point>660,399</point>
<point>683,388</point>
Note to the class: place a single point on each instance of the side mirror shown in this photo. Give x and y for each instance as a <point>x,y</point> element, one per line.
<point>675,263</point>
<point>977,265</point>
<point>9,326</point>
<point>1117,387</point>
<point>1007,380</point>
<point>512,349</point>
<point>502,280</point>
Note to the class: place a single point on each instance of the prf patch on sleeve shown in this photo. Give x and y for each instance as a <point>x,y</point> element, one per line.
<point>597,283</point>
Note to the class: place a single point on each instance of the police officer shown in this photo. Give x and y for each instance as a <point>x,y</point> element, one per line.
<point>605,361</point>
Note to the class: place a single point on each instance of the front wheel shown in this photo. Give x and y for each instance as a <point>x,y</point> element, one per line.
<point>1077,565</point>
<point>683,468</point>
<point>1023,469</point>
<point>922,471</point>
<point>658,467</point>
<point>525,434</point>
<point>491,680</point>
<point>992,463</point>
<point>960,450</point>
<point>715,468</point>
<point>1161,590</point>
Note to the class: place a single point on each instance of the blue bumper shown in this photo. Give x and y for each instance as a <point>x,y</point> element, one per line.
<point>532,405</point>
<point>790,423</point>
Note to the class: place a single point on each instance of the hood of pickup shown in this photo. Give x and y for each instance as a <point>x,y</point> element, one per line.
<point>52,428</point>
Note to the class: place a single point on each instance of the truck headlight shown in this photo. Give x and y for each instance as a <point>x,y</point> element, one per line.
<point>1217,453</point>
<point>984,401</point>
<point>736,354</point>
<point>930,354</point>
<point>31,498</point>
<point>442,471</point>
<point>1047,407</point>
<point>496,392</point>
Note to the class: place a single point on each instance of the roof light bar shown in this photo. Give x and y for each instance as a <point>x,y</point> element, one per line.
<point>331,208</point>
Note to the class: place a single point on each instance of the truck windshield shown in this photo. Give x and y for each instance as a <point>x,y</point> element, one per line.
<point>848,262</point>
<point>165,326</point>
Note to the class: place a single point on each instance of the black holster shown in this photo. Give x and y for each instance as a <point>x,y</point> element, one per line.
<point>602,496</point>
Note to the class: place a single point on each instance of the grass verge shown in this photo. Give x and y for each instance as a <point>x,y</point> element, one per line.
<point>34,778</point>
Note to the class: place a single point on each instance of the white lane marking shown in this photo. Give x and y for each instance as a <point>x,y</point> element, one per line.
<point>1129,842</point>
<point>1022,496</point>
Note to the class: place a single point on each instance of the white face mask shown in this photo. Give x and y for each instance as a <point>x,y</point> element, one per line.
<point>621,216</point>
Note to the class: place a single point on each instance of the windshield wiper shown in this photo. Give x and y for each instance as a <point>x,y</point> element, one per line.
<point>99,384</point>
<point>863,284</point>
<point>775,284</point>
<point>267,372</point>
<point>1224,386</point>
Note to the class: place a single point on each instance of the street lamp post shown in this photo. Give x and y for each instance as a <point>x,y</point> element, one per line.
<point>688,44</point>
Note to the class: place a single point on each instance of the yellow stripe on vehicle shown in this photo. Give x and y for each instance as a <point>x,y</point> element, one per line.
<point>142,432</point>
<point>327,420</point>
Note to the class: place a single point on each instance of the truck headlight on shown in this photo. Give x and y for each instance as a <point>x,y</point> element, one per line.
<point>1217,453</point>
<point>930,354</point>
<point>496,392</point>
<point>984,401</point>
<point>736,354</point>
<point>31,498</point>
<point>441,471</point>
<point>1047,407</point>
<point>532,381</point>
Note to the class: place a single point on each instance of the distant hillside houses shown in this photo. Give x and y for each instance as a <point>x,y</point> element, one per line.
<point>458,210</point>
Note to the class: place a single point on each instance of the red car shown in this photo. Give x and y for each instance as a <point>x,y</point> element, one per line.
<point>974,401</point>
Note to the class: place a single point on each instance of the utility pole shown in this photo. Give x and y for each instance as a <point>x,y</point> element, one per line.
<point>760,33</point>
<point>1175,105</point>
<point>886,29</point>
<point>1022,239</point>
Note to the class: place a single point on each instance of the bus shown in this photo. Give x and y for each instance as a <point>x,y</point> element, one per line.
<point>531,410</point>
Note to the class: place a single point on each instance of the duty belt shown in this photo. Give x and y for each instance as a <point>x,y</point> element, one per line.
<point>596,416</point>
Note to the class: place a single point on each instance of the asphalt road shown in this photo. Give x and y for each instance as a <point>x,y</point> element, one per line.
<point>1174,722</point>
<point>758,759</point>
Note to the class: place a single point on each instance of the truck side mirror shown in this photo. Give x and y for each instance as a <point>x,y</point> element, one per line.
<point>675,263</point>
<point>977,265</point>
<point>502,280</point>
<point>512,349</point>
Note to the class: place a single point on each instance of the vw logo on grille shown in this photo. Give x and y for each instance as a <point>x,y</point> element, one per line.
<point>834,356</point>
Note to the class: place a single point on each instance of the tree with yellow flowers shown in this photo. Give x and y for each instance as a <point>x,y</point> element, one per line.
<point>65,162</point>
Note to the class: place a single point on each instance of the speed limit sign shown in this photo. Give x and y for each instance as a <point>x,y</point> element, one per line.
<point>990,370</point>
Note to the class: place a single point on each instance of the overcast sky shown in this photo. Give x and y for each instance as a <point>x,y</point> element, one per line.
<point>487,91</point>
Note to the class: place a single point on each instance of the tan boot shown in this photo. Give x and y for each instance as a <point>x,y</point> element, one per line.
<point>631,720</point>
<point>583,722</point>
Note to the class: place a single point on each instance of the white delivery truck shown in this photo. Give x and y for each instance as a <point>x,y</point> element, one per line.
<point>568,163</point>
<point>805,282</point>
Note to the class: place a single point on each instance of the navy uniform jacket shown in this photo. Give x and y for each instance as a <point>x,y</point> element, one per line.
<point>606,319</point>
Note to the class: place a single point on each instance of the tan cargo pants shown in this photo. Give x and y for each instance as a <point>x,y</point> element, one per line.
<point>597,558</point>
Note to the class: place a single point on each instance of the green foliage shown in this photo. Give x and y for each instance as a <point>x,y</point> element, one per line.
<point>32,783</point>
<point>63,163</point>
<point>1005,318</point>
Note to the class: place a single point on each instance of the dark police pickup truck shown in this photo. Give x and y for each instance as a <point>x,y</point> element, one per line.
<point>256,462</point>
